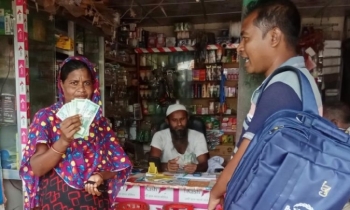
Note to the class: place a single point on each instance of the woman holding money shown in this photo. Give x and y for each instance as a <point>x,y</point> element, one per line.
<point>72,159</point>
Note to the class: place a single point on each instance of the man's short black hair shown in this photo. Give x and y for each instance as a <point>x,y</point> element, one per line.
<point>277,13</point>
<point>337,110</point>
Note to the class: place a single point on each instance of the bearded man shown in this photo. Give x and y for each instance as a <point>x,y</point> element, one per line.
<point>178,147</point>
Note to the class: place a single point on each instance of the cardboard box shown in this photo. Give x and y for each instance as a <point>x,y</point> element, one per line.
<point>160,42</point>
<point>64,43</point>
<point>331,62</point>
<point>152,42</point>
<point>170,41</point>
<point>331,52</point>
<point>329,44</point>
<point>222,150</point>
<point>331,70</point>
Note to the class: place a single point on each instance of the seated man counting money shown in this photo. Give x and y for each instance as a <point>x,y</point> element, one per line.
<point>180,149</point>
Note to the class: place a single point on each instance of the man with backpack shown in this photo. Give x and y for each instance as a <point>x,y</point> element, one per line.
<point>269,39</point>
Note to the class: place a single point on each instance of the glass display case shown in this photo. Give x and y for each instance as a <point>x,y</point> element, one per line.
<point>9,144</point>
<point>42,60</point>
<point>8,114</point>
<point>10,120</point>
<point>91,46</point>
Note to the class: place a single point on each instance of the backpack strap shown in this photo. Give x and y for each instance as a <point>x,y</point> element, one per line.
<point>307,94</point>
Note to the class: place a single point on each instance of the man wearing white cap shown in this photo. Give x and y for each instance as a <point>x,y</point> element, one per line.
<point>179,147</point>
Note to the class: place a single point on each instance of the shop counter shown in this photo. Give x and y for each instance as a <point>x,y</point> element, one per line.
<point>158,191</point>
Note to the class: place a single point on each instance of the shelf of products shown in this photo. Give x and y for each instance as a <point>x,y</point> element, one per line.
<point>65,52</point>
<point>181,49</point>
<point>120,100</point>
<point>209,93</point>
<point>121,90</point>
<point>170,69</point>
<point>115,60</point>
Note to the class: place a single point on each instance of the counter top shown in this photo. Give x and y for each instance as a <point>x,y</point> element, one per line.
<point>174,181</point>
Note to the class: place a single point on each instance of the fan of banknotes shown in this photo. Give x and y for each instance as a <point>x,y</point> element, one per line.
<point>86,108</point>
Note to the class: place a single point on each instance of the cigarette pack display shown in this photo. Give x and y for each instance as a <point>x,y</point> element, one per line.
<point>229,124</point>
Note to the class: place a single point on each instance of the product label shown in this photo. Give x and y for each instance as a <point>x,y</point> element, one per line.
<point>193,196</point>
<point>129,191</point>
<point>159,194</point>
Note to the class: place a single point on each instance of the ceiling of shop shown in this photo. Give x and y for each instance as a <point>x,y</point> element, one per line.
<point>168,12</point>
<point>174,11</point>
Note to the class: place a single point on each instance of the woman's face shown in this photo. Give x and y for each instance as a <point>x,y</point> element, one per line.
<point>78,84</point>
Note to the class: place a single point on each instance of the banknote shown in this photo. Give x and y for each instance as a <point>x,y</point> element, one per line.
<point>62,114</point>
<point>86,108</point>
<point>88,113</point>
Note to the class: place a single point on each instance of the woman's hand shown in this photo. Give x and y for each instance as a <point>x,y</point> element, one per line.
<point>69,127</point>
<point>92,188</point>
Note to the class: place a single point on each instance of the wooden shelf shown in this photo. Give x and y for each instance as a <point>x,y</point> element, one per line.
<point>224,65</point>
<point>122,63</point>
<point>229,132</point>
<point>152,114</point>
<point>60,32</point>
<point>230,65</point>
<point>125,47</point>
<point>146,68</point>
<point>180,49</point>
<point>212,98</point>
<point>65,52</point>
<point>207,98</point>
<point>209,81</point>
<point>218,114</point>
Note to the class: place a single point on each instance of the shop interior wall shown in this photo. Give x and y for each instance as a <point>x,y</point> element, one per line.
<point>15,196</point>
<point>332,26</point>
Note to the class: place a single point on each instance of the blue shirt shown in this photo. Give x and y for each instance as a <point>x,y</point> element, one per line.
<point>282,92</point>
